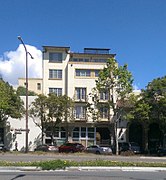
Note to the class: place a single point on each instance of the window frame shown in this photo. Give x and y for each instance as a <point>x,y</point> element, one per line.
<point>80,113</point>
<point>55,73</point>
<point>80,93</point>
<point>83,73</point>
<point>54,59</point>
<point>57,91</point>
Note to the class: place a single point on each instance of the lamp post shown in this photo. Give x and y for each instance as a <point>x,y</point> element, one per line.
<point>26,107</point>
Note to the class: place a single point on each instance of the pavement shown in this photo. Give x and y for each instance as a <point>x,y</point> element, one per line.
<point>87,168</point>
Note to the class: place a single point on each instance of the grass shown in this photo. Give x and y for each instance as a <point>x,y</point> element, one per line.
<point>62,164</point>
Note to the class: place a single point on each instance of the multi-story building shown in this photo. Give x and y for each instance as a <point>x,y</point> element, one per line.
<point>74,74</point>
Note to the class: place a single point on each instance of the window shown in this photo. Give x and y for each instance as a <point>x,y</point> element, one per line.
<point>104,96</point>
<point>104,112</point>
<point>97,73</point>
<point>99,60</point>
<point>57,91</point>
<point>91,132</point>
<point>55,74</point>
<point>83,132</point>
<point>80,93</point>
<point>55,57</point>
<point>59,132</point>
<point>79,60</point>
<point>76,132</point>
<point>38,86</point>
<point>83,72</point>
<point>79,112</point>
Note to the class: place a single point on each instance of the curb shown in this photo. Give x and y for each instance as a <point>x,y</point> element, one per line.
<point>22,168</point>
<point>85,168</point>
<point>145,169</point>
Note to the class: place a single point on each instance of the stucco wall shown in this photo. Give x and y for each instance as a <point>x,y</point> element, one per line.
<point>13,134</point>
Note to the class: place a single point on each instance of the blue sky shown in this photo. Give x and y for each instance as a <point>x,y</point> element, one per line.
<point>135,30</point>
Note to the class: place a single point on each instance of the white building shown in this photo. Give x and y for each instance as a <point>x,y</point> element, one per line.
<point>74,74</point>
<point>15,131</point>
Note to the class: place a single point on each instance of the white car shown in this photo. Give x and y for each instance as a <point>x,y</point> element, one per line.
<point>98,149</point>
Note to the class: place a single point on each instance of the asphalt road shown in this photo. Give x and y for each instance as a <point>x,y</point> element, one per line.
<point>15,157</point>
<point>82,175</point>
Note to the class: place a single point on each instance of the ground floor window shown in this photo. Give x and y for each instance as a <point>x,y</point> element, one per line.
<point>57,137</point>
<point>84,135</point>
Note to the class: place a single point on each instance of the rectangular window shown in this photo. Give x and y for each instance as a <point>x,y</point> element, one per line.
<point>38,86</point>
<point>97,73</point>
<point>104,112</point>
<point>83,132</point>
<point>104,96</point>
<point>99,60</point>
<point>76,132</point>
<point>80,112</point>
<point>57,91</point>
<point>91,132</point>
<point>59,132</point>
<point>80,93</point>
<point>63,132</point>
<point>55,74</point>
<point>55,57</point>
<point>83,72</point>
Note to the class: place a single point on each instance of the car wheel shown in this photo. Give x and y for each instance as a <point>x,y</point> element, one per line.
<point>97,152</point>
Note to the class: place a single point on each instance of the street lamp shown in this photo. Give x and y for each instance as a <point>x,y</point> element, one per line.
<point>26,107</point>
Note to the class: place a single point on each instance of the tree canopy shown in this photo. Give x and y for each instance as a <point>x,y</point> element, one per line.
<point>21,91</point>
<point>116,82</point>
<point>11,104</point>
<point>49,111</point>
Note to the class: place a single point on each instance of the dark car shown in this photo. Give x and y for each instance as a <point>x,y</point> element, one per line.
<point>124,146</point>
<point>71,147</point>
<point>46,148</point>
<point>3,148</point>
<point>161,152</point>
<point>98,149</point>
<point>135,147</point>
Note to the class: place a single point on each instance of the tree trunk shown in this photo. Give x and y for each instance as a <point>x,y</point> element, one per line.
<point>116,138</point>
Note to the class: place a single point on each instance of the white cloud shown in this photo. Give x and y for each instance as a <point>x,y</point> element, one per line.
<point>12,66</point>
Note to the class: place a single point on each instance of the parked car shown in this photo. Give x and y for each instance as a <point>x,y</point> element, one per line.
<point>71,147</point>
<point>46,148</point>
<point>98,149</point>
<point>135,147</point>
<point>124,146</point>
<point>3,148</point>
<point>131,146</point>
<point>161,152</point>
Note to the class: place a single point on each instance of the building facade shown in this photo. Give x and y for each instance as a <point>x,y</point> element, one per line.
<point>74,75</point>
<point>34,84</point>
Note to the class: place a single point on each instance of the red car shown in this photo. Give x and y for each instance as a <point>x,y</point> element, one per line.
<point>71,147</point>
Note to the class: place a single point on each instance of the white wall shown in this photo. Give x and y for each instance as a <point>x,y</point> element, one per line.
<point>12,135</point>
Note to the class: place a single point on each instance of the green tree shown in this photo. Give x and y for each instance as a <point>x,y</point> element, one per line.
<point>155,96</point>
<point>49,111</point>
<point>117,82</point>
<point>21,91</point>
<point>59,109</point>
<point>139,111</point>
<point>38,112</point>
<point>151,106</point>
<point>11,104</point>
